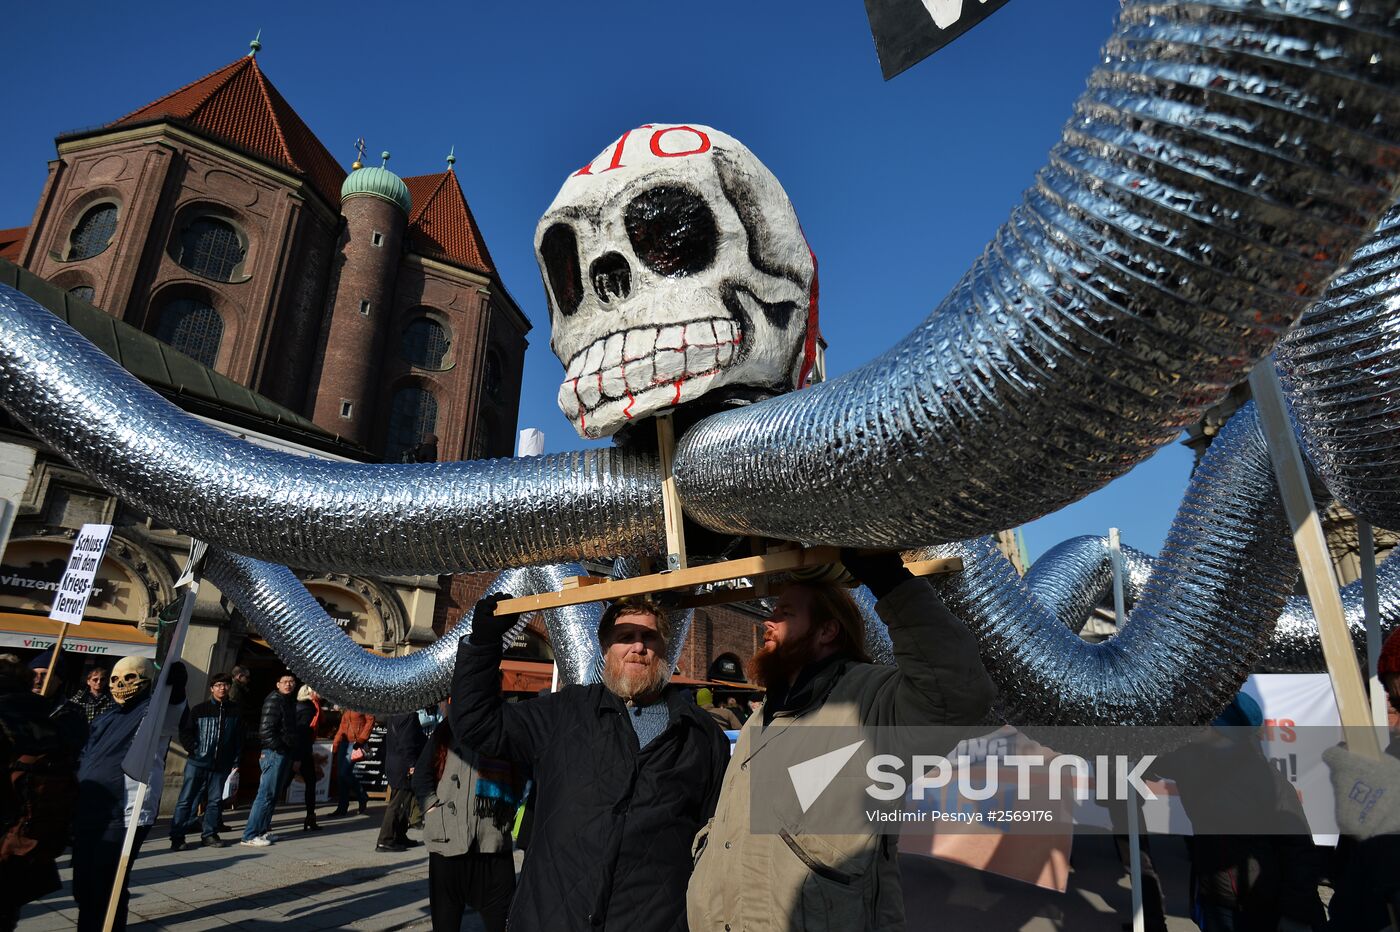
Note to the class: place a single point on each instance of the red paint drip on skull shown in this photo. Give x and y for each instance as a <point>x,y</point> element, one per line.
<point>809,344</point>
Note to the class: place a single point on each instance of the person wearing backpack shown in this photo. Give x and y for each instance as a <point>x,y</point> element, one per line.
<point>39,745</point>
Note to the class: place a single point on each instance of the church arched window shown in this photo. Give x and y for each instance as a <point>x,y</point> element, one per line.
<point>412,419</point>
<point>93,232</point>
<point>211,247</point>
<point>192,327</point>
<point>426,344</point>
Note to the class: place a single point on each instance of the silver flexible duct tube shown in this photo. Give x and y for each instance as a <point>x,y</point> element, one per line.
<point>416,519</point>
<point>1339,369</point>
<point>1075,575</point>
<point>1224,162</point>
<point>1072,577</point>
<point>319,653</point>
<point>1198,628</point>
<point>878,646</point>
<point>1296,646</point>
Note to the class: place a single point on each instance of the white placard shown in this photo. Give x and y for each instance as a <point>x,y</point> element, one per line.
<point>75,587</point>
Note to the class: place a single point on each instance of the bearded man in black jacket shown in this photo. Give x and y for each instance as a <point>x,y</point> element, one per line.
<point>627,771</point>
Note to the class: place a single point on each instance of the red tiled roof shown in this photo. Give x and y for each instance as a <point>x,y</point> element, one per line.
<point>442,225</point>
<point>238,104</point>
<point>10,243</point>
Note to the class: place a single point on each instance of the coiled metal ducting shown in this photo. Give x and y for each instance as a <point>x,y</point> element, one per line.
<point>319,653</point>
<point>1296,646</point>
<point>1072,577</point>
<point>1197,630</point>
<point>414,519</point>
<point>1225,160</point>
<point>1340,367</point>
<point>1075,575</point>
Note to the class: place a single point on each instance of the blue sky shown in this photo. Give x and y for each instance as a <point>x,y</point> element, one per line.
<point>899,185</point>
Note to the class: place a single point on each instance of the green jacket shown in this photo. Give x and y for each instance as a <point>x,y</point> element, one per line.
<point>797,881</point>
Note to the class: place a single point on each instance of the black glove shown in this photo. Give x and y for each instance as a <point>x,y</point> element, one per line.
<point>487,626</point>
<point>881,572</point>
<point>177,678</point>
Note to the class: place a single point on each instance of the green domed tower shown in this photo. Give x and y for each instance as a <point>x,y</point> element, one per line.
<point>376,181</point>
<point>375,204</point>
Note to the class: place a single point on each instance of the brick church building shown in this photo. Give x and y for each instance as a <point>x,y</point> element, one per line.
<point>360,310</point>
<point>215,220</point>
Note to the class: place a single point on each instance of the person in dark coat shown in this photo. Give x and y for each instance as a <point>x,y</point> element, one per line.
<point>39,749</point>
<point>1253,862</point>
<point>105,792</point>
<point>213,736</point>
<point>402,745</point>
<point>277,731</point>
<point>303,756</point>
<point>627,771</point>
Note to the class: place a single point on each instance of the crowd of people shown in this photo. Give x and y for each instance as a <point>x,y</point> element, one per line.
<point>633,802</point>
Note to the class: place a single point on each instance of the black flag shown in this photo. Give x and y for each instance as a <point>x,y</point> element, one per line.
<point>908,31</point>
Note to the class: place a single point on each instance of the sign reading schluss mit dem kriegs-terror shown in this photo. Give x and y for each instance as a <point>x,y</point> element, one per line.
<point>908,31</point>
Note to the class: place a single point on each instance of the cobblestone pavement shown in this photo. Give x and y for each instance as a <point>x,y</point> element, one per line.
<point>333,879</point>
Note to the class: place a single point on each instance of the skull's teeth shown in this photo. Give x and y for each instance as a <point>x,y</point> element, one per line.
<point>670,365</point>
<point>643,359</point>
<point>612,352</point>
<point>640,343</point>
<point>589,391</point>
<point>671,338</point>
<point>594,359</point>
<point>612,383</point>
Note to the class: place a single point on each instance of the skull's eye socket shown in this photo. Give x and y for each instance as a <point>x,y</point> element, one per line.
<point>559,249</point>
<point>672,230</point>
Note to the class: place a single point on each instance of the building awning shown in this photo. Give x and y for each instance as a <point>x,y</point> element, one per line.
<point>526,676</point>
<point>99,638</point>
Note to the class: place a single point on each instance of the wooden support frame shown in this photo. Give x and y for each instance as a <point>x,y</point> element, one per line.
<point>1353,705</point>
<point>756,567</point>
<point>769,557</point>
<point>670,499</point>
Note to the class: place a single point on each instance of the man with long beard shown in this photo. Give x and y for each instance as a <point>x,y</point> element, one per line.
<point>815,667</point>
<point>626,771</point>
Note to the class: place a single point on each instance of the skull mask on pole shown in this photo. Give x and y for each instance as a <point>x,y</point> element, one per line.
<point>131,677</point>
<point>675,268</point>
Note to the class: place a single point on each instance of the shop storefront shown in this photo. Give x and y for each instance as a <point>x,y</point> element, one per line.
<point>129,590</point>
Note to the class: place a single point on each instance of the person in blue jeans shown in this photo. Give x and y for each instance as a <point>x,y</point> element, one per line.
<point>277,732</point>
<point>212,735</point>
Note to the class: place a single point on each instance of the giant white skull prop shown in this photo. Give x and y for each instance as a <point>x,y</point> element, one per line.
<point>130,676</point>
<point>674,266</point>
